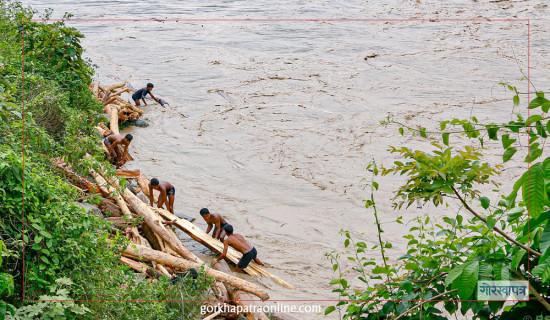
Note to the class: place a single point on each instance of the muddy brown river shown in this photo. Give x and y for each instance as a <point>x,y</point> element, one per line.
<point>272,122</point>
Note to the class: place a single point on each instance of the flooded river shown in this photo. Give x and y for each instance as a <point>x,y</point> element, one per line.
<point>272,122</point>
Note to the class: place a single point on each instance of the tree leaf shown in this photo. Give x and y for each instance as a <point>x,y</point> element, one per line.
<point>508,154</point>
<point>445,137</point>
<point>544,244</point>
<point>485,202</point>
<point>538,101</point>
<point>492,131</point>
<point>532,119</point>
<point>501,272</point>
<point>516,100</point>
<point>329,309</point>
<point>453,274</point>
<point>534,190</point>
<point>468,280</point>
<point>543,271</point>
<point>506,141</point>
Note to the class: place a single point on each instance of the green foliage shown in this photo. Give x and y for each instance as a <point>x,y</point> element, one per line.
<point>447,255</point>
<point>66,256</point>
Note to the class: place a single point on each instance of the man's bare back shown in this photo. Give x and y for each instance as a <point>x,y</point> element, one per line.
<point>237,241</point>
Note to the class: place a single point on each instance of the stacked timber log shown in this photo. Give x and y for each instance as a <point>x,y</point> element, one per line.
<point>114,104</point>
<point>155,250</point>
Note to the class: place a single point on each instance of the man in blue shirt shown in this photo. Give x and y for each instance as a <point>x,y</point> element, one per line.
<point>141,93</point>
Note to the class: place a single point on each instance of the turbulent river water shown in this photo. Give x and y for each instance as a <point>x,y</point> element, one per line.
<point>272,122</point>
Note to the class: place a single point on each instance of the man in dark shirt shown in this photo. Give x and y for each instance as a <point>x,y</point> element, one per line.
<point>141,93</point>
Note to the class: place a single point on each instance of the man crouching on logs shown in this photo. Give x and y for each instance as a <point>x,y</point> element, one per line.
<point>167,194</point>
<point>114,140</point>
<point>237,241</point>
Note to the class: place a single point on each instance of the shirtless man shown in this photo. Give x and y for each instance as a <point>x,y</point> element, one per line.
<point>112,141</point>
<point>166,189</point>
<point>141,93</point>
<point>237,241</point>
<point>214,220</point>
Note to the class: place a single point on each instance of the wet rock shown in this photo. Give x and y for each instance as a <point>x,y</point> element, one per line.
<point>90,209</point>
<point>138,123</point>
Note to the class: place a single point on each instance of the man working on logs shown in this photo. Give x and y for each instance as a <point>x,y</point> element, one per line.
<point>166,189</point>
<point>237,241</point>
<point>214,220</point>
<point>112,141</point>
<point>141,93</point>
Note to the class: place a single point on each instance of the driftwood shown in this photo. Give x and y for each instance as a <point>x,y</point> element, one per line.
<point>216,246</point>
<point>142,252</point>
<point>141,268</point>
<point>115,86</point>
<point>77,179</point>
<point>106,97</point>
<point>239,297</point>
<point>121,91</point>
<point>120,222</point>
<point>110,208</point>
<point>127,173</point>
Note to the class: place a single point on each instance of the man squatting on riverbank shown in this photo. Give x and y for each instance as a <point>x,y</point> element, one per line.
<point>237,241</point>
<point>114,140</point>
<point>167,190</point>
<point>214,220</point>
<point>141,93</point>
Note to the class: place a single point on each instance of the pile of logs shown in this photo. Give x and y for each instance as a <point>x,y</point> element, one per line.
<point>156,250</point>
<point>114,104</point>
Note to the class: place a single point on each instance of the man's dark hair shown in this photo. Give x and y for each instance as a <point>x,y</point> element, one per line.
<point>155,182</point>
<point>129,137</point>
<point>150,85</point>
<point>228,229</point>
<point>204,211</point>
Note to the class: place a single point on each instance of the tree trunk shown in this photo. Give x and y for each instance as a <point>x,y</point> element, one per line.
<point>141,267</point>
<point>127,173</point>
<point>147,254</point>
<point>238,296</point>
<point>109,208</point>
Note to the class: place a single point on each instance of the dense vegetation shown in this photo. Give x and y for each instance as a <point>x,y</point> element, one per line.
<point>496,235</point>
<point>64,256</point>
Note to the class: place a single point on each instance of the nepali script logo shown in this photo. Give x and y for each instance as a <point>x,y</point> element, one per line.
<point>503,290</point>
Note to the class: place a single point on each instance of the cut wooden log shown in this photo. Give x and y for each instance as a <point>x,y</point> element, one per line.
<point>77,179</point>
<point>103,130</point>
<point>120,222</point>
<point>109,100</point>
<point>119,92</point>
<point>115,86</point>
<point>113,123</point>
<point>141,268</point>
<point>239,297</point>
<point>109,207</point>
<point>142,252</point>
<point>215,245</point>
<point>220,291</point>
<point>127,173</point>
<point>153,221</point>
<point>106,97</point>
